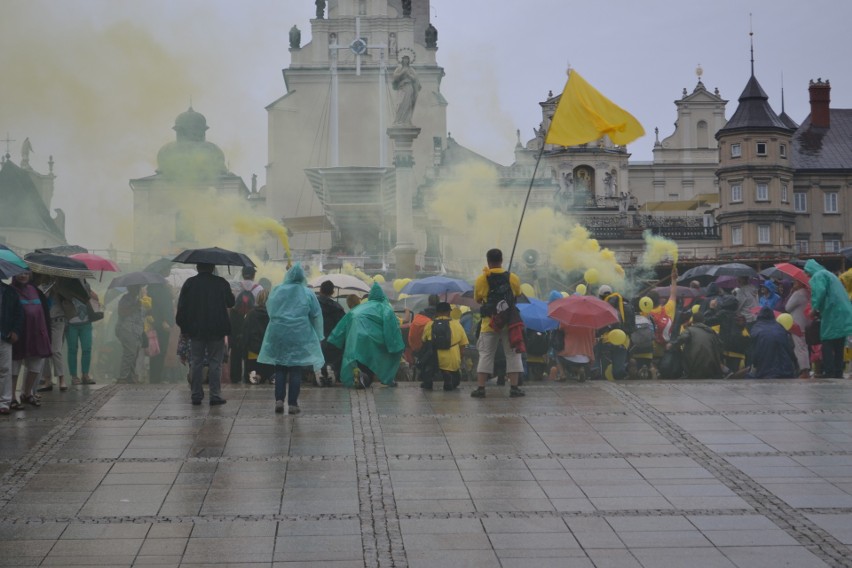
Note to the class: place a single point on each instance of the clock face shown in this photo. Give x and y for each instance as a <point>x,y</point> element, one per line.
<point>358,47</point>
<point>406,51</point>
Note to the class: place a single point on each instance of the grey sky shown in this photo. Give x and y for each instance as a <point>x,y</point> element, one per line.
<point>98,83</point>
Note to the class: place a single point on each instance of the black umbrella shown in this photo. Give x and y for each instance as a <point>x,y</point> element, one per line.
<point>136,279</point>
<point>214,255</point>
<point>160,266</point>
<point>706,273</point>
<point>56,265</point>
<point>62,250</point>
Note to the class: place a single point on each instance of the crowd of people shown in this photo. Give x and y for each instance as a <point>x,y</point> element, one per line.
<point>249,332</point>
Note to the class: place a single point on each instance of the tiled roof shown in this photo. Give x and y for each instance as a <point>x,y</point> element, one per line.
<point>21,205</point>
<point>754,110</point>
<point>824,148</point>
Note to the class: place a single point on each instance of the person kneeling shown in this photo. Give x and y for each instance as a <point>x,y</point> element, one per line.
<point>447,337</point>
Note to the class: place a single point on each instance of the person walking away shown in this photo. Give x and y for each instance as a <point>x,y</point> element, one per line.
<point>497,290</point>
<point>371,340</point>
<point>33,345</point>
<point>11,328</point>
<point>772,353</point>
<point>446,337</point>
<point>202,314</point>
<point>256,323</point>
<point>796,305</point>
<point>78,335</point>
<point>702,350</point>
<point>61,309</point>
<point>129,330</point>
<point>292,340</point>
<point>332,313</point>
<point>245,299</point>
<point>831,302</point>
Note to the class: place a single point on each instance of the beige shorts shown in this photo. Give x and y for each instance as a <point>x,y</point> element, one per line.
<point>487,347</point>
<point>31,364</point>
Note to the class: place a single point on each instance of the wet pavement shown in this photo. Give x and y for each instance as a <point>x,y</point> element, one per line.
<point>634,474</point>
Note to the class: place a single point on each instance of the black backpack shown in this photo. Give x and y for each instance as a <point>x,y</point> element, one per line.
<point>557,340</point>
<point>500,300</point>
<point>244,303</point>
<point>537,342</point>
<point>442,334</point>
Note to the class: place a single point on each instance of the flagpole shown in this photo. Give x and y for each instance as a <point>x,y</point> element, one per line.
<point>526,201</point>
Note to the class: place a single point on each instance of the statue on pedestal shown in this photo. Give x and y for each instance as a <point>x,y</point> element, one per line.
<point>406,82</point>
<point>26,148</point>
<point>320,9</point>
<point>295,38</point>
<point>431,36</point>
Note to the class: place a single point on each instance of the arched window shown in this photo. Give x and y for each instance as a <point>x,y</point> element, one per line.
<point>703,138</point>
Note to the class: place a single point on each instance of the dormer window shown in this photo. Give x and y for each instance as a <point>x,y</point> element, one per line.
<point>782,150</point>
<point>761,148</point>
<point>736,150</point>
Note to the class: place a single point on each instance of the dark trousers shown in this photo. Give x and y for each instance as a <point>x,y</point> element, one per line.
<point>832,357</point>
<point>214,350</point>
<point>288,380</point>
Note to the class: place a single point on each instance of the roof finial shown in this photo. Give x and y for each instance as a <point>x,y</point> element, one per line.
<point>190,102</point>
<point>751,41</point>
<point>782,92</point>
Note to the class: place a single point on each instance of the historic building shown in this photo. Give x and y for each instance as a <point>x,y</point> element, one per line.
<point>187,168</point>
<point>25,202</point>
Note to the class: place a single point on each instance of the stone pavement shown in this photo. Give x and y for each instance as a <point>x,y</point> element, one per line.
<point>635,474</point>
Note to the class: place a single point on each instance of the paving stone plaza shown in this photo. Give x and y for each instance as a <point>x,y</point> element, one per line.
<point>635,474</point>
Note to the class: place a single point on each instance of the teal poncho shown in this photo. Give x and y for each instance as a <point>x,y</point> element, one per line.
<point>829,298</point>
<point>369,334</point>
<point>295,324</point>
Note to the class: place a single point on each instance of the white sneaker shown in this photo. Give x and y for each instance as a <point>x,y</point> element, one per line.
<point>253,377</point>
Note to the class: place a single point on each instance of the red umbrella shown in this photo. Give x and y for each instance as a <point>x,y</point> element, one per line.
<point>582,311</point>
<point>795,273</point>
<point>95,262</point>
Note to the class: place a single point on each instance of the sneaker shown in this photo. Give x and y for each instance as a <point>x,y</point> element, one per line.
<point>253,379</point>
<point>279,407</point>
<point>89,381</point>
<point>478,392</point>
<point>76,381</point>
<point>293,410</point>
<point>217,401</point>
<point>515,391</point>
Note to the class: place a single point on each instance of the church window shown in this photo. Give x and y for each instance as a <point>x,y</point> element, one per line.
<point>800,202</point>
<point>736,193</point>
<point>736,150</point>
<point>761,148</point>
<point>762,192</point>
<point>831,202</point>
<point>703,138</point>
<point>763,235</point>
<point>782,150</point>
<point>736,234</point>
<point>785,196</point>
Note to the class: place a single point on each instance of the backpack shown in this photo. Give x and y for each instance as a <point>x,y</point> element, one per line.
<point>501,298</point>
<point>442,334</point>
<point>662,326</point>
<point>642,340</point>
<point>557,340</point>
<point>245,301</point>
<point>537,342</point>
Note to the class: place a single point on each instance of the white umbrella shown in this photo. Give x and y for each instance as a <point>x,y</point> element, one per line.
<point>345,282</point>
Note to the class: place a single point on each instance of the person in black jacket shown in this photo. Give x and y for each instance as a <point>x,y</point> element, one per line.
<point>11,326</point>
<point>254,328</point>
<point>332,313</point>
<point>202,315</point>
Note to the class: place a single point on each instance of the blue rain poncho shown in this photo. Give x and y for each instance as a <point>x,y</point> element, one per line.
<point>829,298</point>
<point>369,334</point>
<point>294,333</point>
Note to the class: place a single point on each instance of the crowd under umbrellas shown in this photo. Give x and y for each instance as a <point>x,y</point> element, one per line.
<point>612,326</point>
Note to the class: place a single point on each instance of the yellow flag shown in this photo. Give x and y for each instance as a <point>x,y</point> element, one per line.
<point>583,115</point>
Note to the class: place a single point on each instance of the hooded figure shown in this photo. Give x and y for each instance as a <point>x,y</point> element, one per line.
<point>772,354</point>
<point>770,298</point>
<point>369,334</point>
<point>293,336</point>
<point>830,300</point>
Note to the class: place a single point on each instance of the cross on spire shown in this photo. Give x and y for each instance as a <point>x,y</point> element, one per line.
<point>8,141</point>
<point>751,41</point>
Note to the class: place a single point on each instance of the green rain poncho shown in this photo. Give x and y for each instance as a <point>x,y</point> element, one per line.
<point>369,334</point>
<point>829,298</point>
<point>295,324</point>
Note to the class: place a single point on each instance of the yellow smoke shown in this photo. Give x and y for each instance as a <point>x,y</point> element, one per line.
<point>657,249</point>
<point>352,270</point>
<point>253,225</point>
<point>474,213</point>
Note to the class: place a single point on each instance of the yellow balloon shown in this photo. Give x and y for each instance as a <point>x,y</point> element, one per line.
<point>695,308</point>
<point>617,337</point>
<point>581,289</point>
<point>786,321</point>
<point>591,276</point>
<point>398,284</point>
<point>646,304</point>
<point>401,296</point>
<point>379,278</point>
<point>565,294</point>
<point>528,290</point>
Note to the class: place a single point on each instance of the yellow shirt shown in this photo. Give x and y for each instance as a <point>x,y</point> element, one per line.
<point>480,291</point>
<point>449,359</point>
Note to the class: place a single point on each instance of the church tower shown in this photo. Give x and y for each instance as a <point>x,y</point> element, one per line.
<point>756,178</point>
<point>330,173</point>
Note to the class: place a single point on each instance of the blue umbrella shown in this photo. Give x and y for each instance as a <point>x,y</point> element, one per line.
<point>534,315</point>
<point>9,269</point>
<point>9,256</point>
<point>436,285</point>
